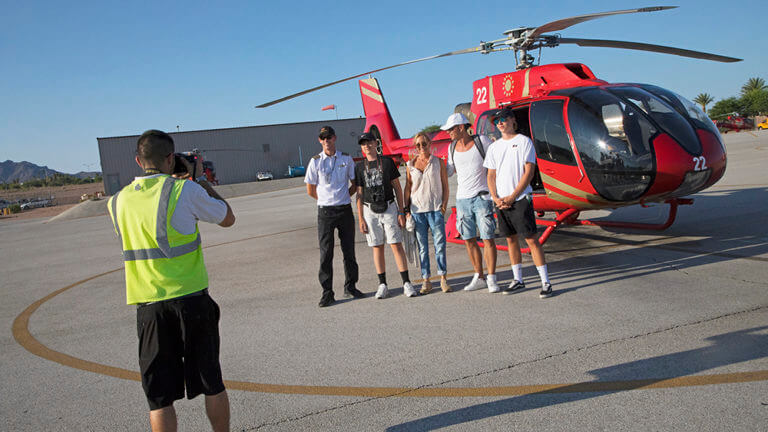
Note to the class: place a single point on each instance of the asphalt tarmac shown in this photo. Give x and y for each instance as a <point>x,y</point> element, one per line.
<point>646,331</point>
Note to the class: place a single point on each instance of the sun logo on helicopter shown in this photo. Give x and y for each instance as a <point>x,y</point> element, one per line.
<point>508,86</point>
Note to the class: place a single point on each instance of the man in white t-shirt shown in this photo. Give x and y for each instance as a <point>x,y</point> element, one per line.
<point>474,207</point>
<point>511,162</point>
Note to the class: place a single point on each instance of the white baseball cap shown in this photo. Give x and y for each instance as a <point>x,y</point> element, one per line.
<point>455,119</point>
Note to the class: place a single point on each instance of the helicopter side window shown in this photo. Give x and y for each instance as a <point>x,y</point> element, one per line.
<point>549,136</point>
<point>486,127</point>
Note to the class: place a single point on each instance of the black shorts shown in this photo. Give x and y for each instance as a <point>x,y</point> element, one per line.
<point>518,219</point>
<point>178,347</point>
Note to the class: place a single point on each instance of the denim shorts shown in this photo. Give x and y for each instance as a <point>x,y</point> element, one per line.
<point>475,215</point>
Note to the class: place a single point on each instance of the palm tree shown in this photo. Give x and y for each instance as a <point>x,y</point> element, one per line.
<point>704,99</point>
<point>753,84</point>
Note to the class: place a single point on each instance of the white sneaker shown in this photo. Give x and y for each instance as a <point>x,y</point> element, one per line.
<point>382,292</point>
<point>493,287</point>
<point>476,284</point>
<point>409,290</point>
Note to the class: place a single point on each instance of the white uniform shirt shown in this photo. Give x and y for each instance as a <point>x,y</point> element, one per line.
<point>471,177</point>
<point>331,175</point>
<point>508,158</point>
<point>195,204</point>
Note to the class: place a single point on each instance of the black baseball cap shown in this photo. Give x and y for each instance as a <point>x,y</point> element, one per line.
<point>326,132</point>
<point>505,112</point>
<point>367,136</point>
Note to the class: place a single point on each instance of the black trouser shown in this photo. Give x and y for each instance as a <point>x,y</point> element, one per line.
<point>328,219</point>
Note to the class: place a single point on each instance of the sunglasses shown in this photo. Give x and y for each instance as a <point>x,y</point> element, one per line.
<point>422,144</point>
<point>325,137</point>
<point>500,120</point>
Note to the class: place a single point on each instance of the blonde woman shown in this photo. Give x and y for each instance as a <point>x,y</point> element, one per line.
<point>426,198</point>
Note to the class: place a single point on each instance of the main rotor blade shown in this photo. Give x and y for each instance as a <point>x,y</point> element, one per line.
<point>647,47</point>
<point>283,99</point>
<point>568,22</point>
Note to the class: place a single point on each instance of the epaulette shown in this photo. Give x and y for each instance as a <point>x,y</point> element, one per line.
<point>316,157</point>
<point>344,154</point>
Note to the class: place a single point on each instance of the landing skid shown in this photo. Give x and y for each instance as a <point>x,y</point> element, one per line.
<point>571,217</point>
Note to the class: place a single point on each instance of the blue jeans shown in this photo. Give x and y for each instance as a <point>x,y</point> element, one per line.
<point>430,220</point>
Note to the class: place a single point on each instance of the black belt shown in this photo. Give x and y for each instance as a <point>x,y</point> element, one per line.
<point>388,202</point>
<point>335,207</point>
<point>194,294</point>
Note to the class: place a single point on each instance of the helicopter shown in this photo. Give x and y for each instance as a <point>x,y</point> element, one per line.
<point>598,145</point>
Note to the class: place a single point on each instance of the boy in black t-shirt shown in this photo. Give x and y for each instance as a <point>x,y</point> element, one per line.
<point>380,207</point>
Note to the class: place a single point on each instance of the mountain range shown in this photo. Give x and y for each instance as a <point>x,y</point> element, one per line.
<point>25,171</point>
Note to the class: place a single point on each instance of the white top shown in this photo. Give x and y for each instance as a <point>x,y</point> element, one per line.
<point>426,187</point>
<point>508,158</point>
<point>471,177</point>
<point>195,204</point>
<point>331,175</point>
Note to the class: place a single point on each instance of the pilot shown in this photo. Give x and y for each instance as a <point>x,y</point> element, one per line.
<point>330,180</point>
<point>511,161</point>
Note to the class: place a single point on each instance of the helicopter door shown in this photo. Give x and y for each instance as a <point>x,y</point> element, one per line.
<point>549,136</point>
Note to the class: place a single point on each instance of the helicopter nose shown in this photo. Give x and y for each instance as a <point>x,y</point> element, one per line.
<point>680,173</point>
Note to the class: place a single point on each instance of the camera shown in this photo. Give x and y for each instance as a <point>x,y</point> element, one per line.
<point>191,157</point>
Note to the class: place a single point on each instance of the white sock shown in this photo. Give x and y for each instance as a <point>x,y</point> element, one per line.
<point>491,278</point>
<point>476,276</point>
<point>543,274</point>
<point>517,272</point>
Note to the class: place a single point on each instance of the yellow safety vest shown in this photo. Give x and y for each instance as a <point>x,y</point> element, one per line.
<point>160,262</point>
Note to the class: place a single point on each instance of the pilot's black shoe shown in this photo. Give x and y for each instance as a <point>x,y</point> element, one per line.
<point>327,299</point>
<point>353,292</point>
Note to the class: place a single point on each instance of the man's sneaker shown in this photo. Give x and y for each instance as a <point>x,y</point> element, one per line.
<point>475,285</point>
<point>426,287</point>
<point>493,287</point>
<point>546,291</point>
<point>353,292</point>
<point>326,299</point>
<point>382,292</point>
<point>409,290</point>
<point>516,285</point>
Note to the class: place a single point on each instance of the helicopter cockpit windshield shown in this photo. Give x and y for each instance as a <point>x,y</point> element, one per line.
<point>614,143</point>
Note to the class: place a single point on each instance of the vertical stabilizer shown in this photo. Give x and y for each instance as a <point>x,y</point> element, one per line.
<point>378,119</point>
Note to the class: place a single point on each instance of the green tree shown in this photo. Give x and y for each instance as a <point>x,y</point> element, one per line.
<point>755,102</point>
<point>704,99</point>
<point>431,128</point>
<point>726,106</point>
<point>753,84</point>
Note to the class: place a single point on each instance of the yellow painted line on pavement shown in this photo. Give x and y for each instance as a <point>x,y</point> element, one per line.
<point>23,336</point>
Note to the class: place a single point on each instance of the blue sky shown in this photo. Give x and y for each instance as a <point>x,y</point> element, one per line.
<point>75,71</point>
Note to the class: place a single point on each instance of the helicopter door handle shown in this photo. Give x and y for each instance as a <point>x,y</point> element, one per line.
<point>549,171</point>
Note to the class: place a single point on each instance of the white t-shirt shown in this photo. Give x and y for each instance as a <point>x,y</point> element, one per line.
<point>471,177</point>
<point>195,204</point>
<point>508,158</point>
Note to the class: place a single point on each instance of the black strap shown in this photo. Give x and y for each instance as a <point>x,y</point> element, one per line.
<point>478,145</point>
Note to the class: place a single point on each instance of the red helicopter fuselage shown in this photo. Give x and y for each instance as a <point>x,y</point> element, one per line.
<point>598,145</point>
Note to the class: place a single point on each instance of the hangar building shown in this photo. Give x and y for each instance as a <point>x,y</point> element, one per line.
<point>237,153</point>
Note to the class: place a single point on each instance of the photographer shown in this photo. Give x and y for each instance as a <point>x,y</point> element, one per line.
<point>177,321</point>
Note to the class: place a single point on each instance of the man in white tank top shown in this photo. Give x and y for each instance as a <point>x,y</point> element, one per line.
<point>474,207</point>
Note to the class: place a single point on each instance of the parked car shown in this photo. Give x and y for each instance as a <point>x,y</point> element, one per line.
<point>734,123</point>
<point>264,175</point>
<point>763,125</point>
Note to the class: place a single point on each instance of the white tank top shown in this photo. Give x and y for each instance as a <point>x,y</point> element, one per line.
<point>426,187</point>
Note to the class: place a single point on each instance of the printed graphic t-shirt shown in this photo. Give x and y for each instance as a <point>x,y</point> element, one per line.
<point>376,179</point>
